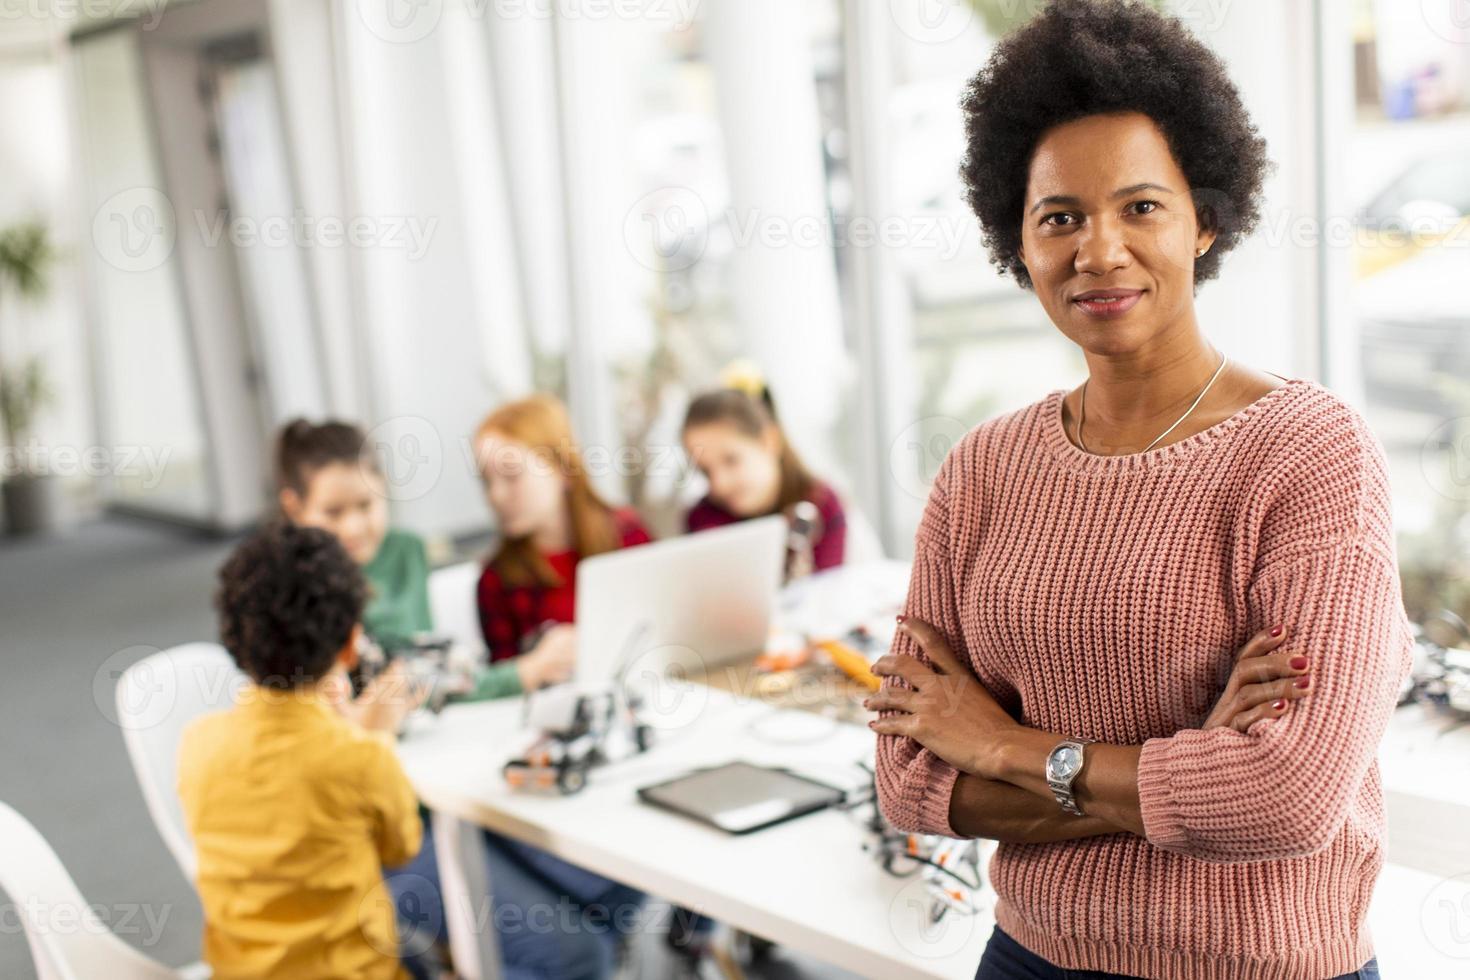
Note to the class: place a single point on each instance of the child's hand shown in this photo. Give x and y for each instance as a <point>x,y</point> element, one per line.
<point>551,660</point>
<point>386,701</point>
<point>336,689</point>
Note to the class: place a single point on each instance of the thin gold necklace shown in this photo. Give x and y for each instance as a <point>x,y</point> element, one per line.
<point>1082,412</point>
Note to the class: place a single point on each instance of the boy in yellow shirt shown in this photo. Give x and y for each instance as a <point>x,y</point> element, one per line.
<point>294,798</point>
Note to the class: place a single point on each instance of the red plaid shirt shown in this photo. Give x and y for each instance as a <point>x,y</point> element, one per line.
<point>509,614</point>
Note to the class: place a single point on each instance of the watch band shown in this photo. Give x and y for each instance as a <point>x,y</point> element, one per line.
<point>1062,788</point>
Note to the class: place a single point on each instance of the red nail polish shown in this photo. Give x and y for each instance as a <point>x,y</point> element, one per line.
<point>1298,663</point>
<point>1303,681</point>
<point>900,617</point>
<point>1276,631</point>
<point>1278,704</point>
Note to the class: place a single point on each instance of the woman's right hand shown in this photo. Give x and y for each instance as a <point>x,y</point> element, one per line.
<point>1263,684</point>
<point>551,660</point>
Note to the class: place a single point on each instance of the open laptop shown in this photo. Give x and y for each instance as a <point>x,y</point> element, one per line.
<point>695,601</point>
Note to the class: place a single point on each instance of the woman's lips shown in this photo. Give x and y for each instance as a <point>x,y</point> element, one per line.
<point>1110,304</point>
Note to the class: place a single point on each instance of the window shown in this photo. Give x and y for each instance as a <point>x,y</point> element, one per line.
<point>1405,343</point>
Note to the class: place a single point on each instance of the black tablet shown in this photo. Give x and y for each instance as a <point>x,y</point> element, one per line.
<point>739,797</point>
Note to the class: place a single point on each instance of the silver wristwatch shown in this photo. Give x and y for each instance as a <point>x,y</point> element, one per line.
<point>1062,767</point>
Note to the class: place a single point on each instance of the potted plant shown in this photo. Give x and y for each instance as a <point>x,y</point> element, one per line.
<point>31,496</point>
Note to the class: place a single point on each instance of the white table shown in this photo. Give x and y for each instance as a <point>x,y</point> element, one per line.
<point>805,884</point>
<point>1425,762</point>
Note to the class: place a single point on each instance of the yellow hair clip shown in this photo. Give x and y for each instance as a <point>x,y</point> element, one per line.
<point>743,375</point>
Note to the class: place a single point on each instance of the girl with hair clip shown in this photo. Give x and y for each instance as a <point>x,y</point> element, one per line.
<point>733,436</point>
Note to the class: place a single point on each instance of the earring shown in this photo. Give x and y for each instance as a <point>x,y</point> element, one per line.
<point>1200,252</point>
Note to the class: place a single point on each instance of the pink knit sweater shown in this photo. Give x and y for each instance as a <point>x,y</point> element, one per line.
<point>1107,596</point>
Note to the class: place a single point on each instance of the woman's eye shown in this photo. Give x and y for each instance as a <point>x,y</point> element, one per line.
<point>1055,218</point>
<point>1151,205</point>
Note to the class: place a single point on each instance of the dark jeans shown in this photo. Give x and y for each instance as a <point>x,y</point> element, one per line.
<point>554,920</point>
<point>1006,959</point>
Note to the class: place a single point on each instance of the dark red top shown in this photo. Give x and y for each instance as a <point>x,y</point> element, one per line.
<point>826,550</point>
<point>511,613</point>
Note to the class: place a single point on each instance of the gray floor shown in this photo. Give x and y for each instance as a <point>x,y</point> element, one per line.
<point>74,611</point>
<point>68,605</point>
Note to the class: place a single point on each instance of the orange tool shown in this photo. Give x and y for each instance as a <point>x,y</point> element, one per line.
<point>850,662</point>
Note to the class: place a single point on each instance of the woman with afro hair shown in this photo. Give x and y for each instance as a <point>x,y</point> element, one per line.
<point>1154,631</point>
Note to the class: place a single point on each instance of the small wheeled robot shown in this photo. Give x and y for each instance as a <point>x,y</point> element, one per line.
<point>952,870</point>
<point>431,661</point>
<point>575,732</point>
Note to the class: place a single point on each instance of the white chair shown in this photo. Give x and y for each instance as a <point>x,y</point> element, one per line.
<point>453,605</point>
<point>67,939</point>
<point>157,697</point>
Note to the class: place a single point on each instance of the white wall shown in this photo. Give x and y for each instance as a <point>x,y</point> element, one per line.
<point>36,157</point>
<point>420,321</point>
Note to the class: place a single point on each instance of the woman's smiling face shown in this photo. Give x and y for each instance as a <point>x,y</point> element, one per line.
<point>1110,232</point>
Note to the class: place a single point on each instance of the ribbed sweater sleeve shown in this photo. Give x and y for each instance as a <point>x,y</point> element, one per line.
<point>914,785</point>
<point>1326,568</point>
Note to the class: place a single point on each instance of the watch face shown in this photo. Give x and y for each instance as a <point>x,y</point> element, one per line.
<point>1064,762</point>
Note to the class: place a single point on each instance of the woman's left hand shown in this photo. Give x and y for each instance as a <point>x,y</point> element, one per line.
<point>946,708</point>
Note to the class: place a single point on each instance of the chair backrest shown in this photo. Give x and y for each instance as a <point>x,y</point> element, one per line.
<point>157,697</point>
<point>452,603</point>
<point>68,941</point>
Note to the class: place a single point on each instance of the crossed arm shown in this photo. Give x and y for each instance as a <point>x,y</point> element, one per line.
<point>951,760</point>
<point>1001,791</point>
